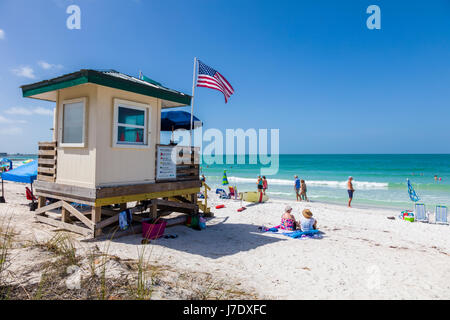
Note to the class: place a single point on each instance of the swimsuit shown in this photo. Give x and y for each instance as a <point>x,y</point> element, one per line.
<point>260,184</point>
<point>350,193</point>
<point>287,224</point>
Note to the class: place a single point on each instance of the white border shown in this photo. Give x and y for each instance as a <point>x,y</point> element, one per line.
<point>61,123</point>
<point>137,106</point>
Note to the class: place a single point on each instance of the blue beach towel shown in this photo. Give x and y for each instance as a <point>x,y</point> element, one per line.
<point>298,233</point>
<point>125,219</point>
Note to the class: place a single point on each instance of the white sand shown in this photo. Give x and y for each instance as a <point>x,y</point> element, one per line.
<point>362,255</point>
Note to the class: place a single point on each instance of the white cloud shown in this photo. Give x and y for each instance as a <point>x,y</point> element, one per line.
<point>43,111</point>
<point>19,111</point>
<point>2,34</point>
<point>11,131</point>
<point>26,72</point>
<point>29,111</point>
<point>10,121</point>
<point>47,66</point>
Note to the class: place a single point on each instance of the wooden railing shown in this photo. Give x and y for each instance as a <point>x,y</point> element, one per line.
<point>47,161</point>
<point>204,205</point>
<point>188,160</point>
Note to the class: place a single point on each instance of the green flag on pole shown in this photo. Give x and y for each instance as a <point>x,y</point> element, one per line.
<point>147,79</point>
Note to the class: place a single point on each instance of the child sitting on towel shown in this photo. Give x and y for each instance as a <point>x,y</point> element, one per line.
<point>288,220</point>
<point>307,222</point>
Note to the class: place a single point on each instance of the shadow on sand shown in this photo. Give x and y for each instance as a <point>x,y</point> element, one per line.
<point>219,239</point>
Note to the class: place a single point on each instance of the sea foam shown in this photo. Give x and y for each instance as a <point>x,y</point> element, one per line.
<point>323,183</point>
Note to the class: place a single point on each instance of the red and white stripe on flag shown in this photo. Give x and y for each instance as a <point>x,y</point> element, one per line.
<point>210,78</point>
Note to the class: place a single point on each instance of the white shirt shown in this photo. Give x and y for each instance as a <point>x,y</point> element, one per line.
<point>307,224</point>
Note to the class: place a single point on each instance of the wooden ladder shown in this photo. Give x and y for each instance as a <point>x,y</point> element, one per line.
<point>204,206</point>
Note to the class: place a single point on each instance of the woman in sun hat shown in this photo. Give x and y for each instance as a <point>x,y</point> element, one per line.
<point>307,222</point>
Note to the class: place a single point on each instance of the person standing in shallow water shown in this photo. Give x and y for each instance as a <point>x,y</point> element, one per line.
<point>303,190</point>
<point>265,184</point>
<point>350,191</point>
<point>297,187</point>
<point>259,183</point>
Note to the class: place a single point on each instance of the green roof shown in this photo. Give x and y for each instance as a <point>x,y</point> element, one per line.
<point>108,78</point>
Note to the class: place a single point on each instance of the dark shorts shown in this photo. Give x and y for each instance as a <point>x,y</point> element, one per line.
<point>297,190</point>
<point>260,187</point>
<point>350,194</point>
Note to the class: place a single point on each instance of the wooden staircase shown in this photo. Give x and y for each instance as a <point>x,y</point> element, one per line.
<point>204,205</point>
<point>187,199</point>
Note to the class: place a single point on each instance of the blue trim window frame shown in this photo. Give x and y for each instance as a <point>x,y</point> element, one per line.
<point>131,124</point>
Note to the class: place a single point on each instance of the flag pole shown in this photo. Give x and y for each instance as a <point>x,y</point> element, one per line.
<point>192,100</point>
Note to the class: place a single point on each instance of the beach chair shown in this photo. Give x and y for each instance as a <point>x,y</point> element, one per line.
<point>441,215</point>
<point>419,213</point>
<point>30,196</point>
<point>232,193</point>
<point>222,194</point>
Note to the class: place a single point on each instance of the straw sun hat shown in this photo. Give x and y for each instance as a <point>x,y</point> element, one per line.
<point>307,213</point>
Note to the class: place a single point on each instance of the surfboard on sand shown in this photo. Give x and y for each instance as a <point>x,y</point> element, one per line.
<point>254,196</point>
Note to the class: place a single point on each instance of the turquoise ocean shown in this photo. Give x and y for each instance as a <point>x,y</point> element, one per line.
<point>379,179</point>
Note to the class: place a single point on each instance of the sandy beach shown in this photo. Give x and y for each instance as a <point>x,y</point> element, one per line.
<point>362,254</point>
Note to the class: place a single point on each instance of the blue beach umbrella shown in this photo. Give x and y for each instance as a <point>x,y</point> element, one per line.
<point>173,120</point>
<point>6,162</point>
<point>412,193</point>
<point>26,173</point>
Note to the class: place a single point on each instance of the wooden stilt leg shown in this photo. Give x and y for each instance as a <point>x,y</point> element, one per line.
<point>154,210</point>
<point>65,215</point>
<point>96,217</point>
<point>194,199</point>
<point>41,202</point>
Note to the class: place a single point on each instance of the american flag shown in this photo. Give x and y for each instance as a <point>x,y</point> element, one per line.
<point>210,78</point>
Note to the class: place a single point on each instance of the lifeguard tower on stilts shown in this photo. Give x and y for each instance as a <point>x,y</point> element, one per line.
<point>106,154</point>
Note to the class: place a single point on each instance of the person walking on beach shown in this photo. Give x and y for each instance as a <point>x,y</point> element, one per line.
<point>350,191</point>
<point>303,190</point>
<point>297,187</point>
<point>265,185</point>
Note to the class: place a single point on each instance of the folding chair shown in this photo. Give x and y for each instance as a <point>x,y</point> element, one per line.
<point>441,215</point>
<point>420,213</point>
<point>31,198</point>
<point>222,194</point>
<point>232,193</point>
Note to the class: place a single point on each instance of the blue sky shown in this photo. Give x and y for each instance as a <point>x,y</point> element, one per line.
<point>309,68</point>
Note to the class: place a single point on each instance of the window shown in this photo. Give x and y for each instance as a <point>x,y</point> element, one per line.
<point>130,124</point>
<point>73,123</point>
